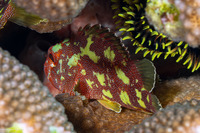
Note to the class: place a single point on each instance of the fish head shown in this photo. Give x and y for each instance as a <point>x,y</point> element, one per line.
<point>61,67</point>
<point>52,63</point>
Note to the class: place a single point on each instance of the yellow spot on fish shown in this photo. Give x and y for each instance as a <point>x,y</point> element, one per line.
<point>107,77</point>
<point>109,84</point>
<point>143,89</point>
<point>73,61</point>
<point>109,80</point>
<point>69,74</point>
<point>67,58</point>
<point>132,84</point>
<point>56,48</point>
<point>139,95</point>
<point>124,63</point>
<point>100,78</point>
<point>148,98</point>
<point>89,82</point>
<point>62,78</point>
<point>107,93</point>
<point>57,71</point>
<point>76,43</point>
<point>104,98</point>
<point>136,81</point>
<point>124,97</point>
<point>121,75</point>
<point>110,54</point>
<point>66,41</point>
<point>86,51</point>
<point>83,72</point>
<point>60,61</point>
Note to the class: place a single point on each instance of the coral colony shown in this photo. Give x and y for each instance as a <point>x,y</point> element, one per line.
<point>92,82</point>
<point>25,103</point>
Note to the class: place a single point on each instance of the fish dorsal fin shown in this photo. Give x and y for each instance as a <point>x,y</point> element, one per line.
<point>111,105</point>
<point>155,102</point>
<point>104,33</point>
<point>148,73</point>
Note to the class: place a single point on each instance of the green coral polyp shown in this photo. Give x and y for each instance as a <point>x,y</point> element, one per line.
<point>143,35</point>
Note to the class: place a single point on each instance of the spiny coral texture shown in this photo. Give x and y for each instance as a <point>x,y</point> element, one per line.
<point>54,10</point>
<point>178,19</point>
<point>90,116</point>
<point>23,99</point>
<point>179,118</point>
<point>178,90</point>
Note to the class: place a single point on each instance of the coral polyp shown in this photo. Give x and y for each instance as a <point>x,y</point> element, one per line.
<point>133,21</point>
<point>178,19</point>
<point>178,118</point>
<point>54,10</point>
<point>25,103</point>
<point>164,16</point>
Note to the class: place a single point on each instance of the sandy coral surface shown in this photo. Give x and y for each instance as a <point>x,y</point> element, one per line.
<point>178,118</point>
<point>90,116</point>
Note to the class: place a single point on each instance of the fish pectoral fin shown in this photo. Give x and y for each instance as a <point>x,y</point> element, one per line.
<point>111,105</point>
<point>148,73</point>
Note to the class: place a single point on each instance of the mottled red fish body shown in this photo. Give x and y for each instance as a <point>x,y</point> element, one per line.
<point>96,65</point>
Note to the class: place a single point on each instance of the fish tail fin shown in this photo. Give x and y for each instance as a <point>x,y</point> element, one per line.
<point>23,18</point>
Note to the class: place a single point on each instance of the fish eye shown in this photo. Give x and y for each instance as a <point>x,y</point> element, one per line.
<point>51,57</point>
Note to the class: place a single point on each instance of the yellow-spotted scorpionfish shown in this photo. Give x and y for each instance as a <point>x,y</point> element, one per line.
<point>97,63</point>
